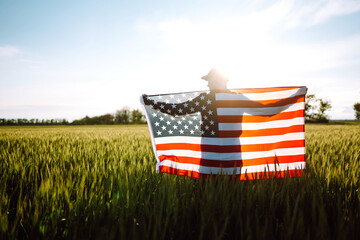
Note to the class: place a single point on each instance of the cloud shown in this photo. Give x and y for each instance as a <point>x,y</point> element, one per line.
<point>249,43</point>
<point>296,13</point>
<point>334,8</point>
<point>9,51</point>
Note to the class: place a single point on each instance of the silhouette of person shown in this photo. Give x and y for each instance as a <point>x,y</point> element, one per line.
<point>204,104</point>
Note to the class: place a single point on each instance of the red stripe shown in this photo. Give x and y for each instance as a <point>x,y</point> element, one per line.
<point>256,119</point>
<point>234,163</point>
<point>248,176</point>
<point>230,148</point>
<point>261,132</point>
<point>257,90</point>
<point>259,104</point>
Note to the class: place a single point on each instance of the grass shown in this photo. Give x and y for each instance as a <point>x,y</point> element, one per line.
<point>96,182</point>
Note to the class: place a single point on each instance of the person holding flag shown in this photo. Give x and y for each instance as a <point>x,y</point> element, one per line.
<point>251,133</point>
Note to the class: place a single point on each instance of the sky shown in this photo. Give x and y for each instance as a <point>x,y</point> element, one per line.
<point>69,59</point>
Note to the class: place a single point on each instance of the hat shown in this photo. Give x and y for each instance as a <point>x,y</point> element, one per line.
<point>214,73</point>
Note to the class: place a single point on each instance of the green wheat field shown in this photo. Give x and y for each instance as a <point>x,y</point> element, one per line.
<point>99,182</point>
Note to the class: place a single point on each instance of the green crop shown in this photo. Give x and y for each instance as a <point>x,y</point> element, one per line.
<point>100,182</point>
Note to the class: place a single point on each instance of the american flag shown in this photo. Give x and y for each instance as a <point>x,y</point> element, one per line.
<point>250,133</point>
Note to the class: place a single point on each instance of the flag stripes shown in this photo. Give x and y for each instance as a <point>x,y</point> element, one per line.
<point>258,95</point>
<point>265,118</point>
<point>256,104</point>
<point>242,176</point>
<point>230,148</point>
<point>233,170</point>
<point>229,156</point>
<point>260,134</point>
<point>232,141</point>
<point>233,163</point>
<point>261,111</point>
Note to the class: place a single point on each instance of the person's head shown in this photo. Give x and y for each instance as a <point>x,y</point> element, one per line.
<point>216,80</point>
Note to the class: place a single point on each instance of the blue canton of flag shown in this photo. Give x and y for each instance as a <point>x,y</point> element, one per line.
<point>183,114</point>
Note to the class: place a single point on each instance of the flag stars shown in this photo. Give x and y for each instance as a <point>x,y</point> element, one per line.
<point>183,114</point>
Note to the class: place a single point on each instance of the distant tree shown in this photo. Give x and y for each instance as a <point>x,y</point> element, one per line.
<point>315,109</point>
<point>137,117</point>
<point>323,106</point>
<point>357,111</point>
<point>310,102</point>
<point>122,116</point>
<point>106,119</point>
<point>64,122</point>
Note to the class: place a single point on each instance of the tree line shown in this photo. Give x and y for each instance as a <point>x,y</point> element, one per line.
<point>122,116</point>
<point>315,111</point>
<point>316,108</point>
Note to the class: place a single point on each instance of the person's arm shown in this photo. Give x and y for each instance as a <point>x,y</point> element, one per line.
<point>188,107</point>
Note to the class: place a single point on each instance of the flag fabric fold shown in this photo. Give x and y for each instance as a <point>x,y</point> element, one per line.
<point>246,133</point>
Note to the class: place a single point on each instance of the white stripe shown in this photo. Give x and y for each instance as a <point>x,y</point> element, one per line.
<point>261,96</point>
<point>232,141</point>
<point>233,155</point>
<point>260,111</point>
<point>230,171</point>
<point>262,125</point>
